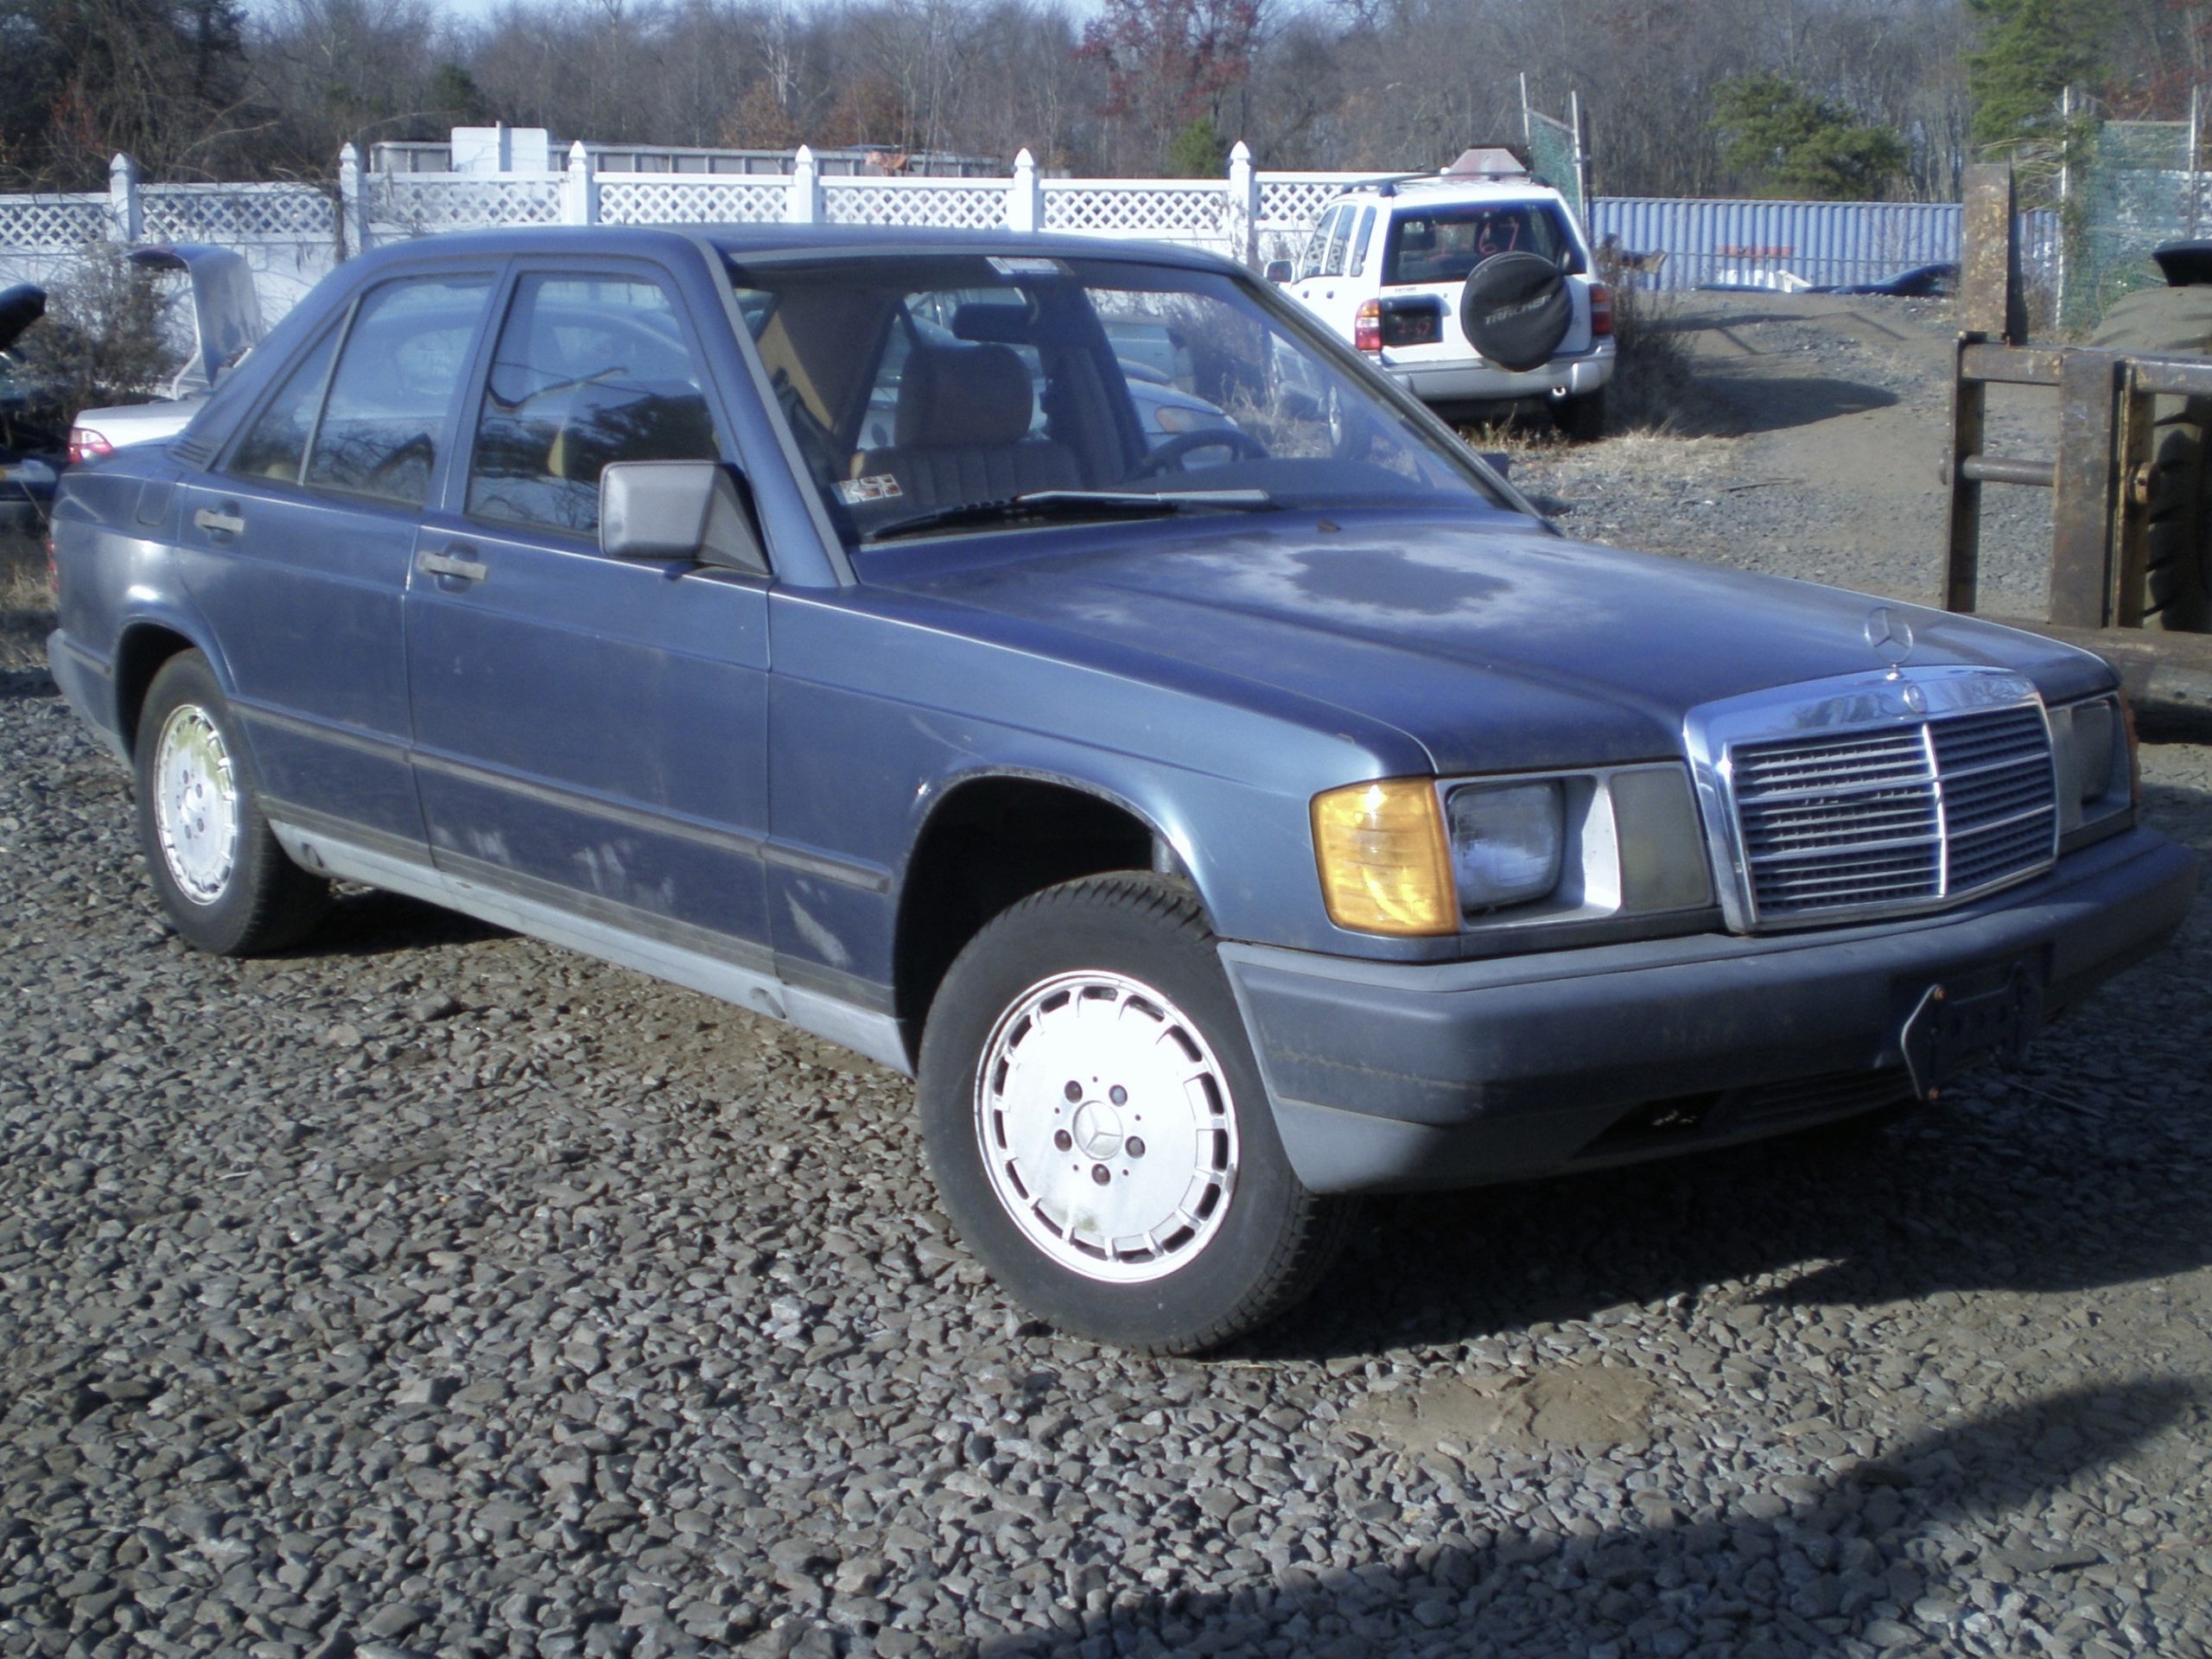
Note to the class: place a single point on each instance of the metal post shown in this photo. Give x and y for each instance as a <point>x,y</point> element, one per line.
<point>1581,158</point>
<point>2082,509</point>
<point>1528,133</point>
<point>2195,136</point>
<point>2065,195</point>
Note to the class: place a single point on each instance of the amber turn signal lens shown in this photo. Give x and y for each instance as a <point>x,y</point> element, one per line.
<point>1385,867</point>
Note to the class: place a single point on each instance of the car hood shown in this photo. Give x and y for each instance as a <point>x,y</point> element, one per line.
<point>21,305</point>
<point>1493,645</point>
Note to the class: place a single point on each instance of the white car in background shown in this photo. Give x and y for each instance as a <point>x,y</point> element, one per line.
<point>1473,286</point>
<point>211,318</point>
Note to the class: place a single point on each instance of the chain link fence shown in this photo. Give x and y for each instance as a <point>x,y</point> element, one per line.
<point>2136,185</point>
<point>1553,156</point>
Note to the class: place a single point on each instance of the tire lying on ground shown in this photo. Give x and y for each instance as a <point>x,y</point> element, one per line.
<point>1515,309</point>
<point>2178,554</point>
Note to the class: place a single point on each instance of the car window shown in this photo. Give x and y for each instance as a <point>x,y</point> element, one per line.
<point>1358,266</point>
<point>276,445</point>
<point>1332,262</point>
<point>386,410</point>
<point>1072,379</point>
<point>1316,245</point>
<point>1442,244</point>
<point>587,371</point>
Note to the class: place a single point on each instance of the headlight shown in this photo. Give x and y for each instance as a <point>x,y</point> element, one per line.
<point>1506,842</point>
<point>2092,748</point>
<point>1410,856</point>
<point>1380,848</point>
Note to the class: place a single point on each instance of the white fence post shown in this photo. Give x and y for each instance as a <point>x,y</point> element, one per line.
<point>580,190</point>
<point>805,206</point>
<point>1242,218</point>
<point>353,210</point>
<point>1025,198</point>
<point>122,203</point>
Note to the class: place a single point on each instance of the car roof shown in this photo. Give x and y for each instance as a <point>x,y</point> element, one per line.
<point>1435,189</point>
<point>750,242</point>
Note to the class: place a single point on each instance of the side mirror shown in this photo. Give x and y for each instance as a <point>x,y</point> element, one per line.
<point>1278,270</point>
<point>677,509</point>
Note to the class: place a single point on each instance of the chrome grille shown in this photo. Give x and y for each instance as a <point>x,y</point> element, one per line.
<point>1898,818</point>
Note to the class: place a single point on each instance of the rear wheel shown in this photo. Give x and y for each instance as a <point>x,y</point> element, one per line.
<point>227,884</point>
<point>1098,1129</point>
<point>2178,566</point>
<point>1580,420</point>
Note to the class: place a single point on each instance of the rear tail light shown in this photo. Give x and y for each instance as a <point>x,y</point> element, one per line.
<point>1601,309</point>
<point>1367,327</point>
<point>85,443</point>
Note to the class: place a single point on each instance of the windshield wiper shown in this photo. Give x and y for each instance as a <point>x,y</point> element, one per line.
<point>1076,504</point>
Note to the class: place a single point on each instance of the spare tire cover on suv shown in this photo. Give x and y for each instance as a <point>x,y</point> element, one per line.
<point>1515,309</point>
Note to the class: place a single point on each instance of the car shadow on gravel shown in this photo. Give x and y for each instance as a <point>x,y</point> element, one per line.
<point>1728,401</point>
<point>2032,1185</point>
<point>1843,1566</point>
<point>374,923</point>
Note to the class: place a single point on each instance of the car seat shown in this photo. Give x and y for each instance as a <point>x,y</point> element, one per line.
<point>960,430</point>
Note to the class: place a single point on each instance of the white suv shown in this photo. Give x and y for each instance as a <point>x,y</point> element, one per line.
<point>1471,286</point>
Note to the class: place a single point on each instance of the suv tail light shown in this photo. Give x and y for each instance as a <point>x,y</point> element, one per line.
<point>1601,310</point>
<point>1367,327</point>
<point>85,443</point>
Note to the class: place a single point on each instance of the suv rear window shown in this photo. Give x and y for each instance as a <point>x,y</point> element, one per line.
<point>1443,243</point>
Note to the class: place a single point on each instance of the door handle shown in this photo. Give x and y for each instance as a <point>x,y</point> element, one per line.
<point>223,524</point>
<point>449,565</point>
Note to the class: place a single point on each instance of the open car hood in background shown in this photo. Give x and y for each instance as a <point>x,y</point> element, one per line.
<point>225,310</point>
<point>20,305</point>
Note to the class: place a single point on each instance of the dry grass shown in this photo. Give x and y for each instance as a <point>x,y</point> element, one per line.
<point>1652,383</point>
<point>26,601</point>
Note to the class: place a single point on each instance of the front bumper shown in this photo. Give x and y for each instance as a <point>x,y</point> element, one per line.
<point>1389,1075</point>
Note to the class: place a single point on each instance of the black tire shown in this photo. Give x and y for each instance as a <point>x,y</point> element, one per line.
<point>228,889</point>
<point>1256,1238</point>
<point>1580,420</point>
<point>2177,572</point>
<point>1515,309</point>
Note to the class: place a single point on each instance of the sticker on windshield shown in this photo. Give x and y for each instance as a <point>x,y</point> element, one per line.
<point>876,486</point>
<point>1027,267</point>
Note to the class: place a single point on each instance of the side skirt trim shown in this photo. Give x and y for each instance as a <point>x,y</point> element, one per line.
<point>310,840</point>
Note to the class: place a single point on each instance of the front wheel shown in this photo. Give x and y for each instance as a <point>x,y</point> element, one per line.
<point>1098,1129</point>
<point>227,884</point>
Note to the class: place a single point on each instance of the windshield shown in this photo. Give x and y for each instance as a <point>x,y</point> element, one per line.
<point>975,393</point>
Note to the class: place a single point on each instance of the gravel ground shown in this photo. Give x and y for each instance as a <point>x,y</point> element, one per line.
<point>433,1291</point>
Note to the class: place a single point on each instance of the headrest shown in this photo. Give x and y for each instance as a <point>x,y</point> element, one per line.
<point>1417,236</point>
<point>963,394</point>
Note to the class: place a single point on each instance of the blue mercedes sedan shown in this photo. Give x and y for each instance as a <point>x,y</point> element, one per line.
<point>1220,824</point>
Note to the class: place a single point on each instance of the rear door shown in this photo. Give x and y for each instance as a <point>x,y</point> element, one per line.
<point>591,731</point>
<point>297,550</point>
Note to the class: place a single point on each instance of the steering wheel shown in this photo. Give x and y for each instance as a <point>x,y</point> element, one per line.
<point>1170,454</point>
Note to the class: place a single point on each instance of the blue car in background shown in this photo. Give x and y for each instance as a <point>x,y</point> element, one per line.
<point>1220,822</point>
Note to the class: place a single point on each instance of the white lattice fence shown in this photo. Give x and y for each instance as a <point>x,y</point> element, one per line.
<point>1291,202</point>
<point>656,199</point>
<point>942,204</point>
<point>418,204</point>
<point>1168,210</point>
<point>50,224</point>
<point>225,213</point>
